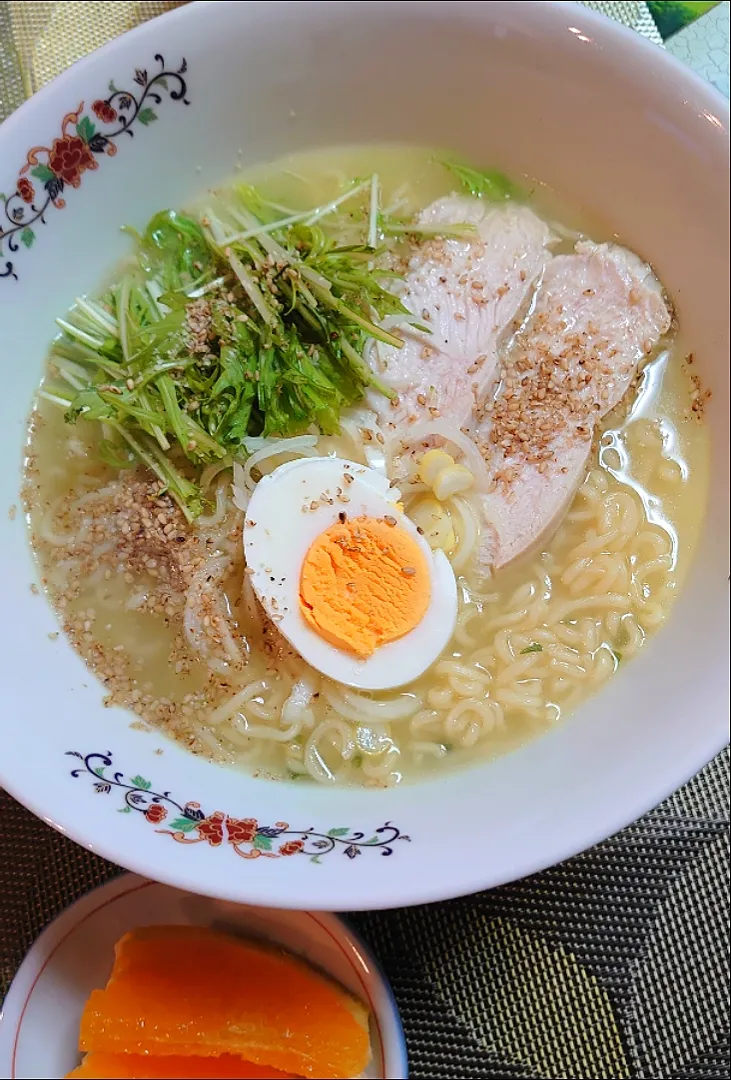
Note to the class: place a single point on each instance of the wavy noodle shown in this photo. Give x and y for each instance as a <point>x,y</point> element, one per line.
<point>535,652</point>
<point>383,772</point>
<point>469,721</point>
<point>338,735</point>
<point>261,731</point>
<point>357,707</point>
<point>235,704</point>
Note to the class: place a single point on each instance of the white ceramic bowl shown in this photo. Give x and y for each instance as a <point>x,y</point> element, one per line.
<point>549,89</point>
<point>39,1022</point>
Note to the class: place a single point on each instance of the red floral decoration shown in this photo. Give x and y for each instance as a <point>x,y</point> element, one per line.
<point>241,830</point>
<point>156,813</point>
<point>26,189</point>
<point>106,112</point>
<point>211,829</point>
<point>291,847</point>
<point>69,158</point>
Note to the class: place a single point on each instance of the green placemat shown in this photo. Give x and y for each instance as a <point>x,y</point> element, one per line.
<point>671,16</point>
<point>615,964</point>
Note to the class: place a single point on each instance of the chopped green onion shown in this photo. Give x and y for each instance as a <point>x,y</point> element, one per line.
<point>404,228</point>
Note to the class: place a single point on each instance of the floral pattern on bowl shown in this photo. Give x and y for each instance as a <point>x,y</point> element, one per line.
<point>49,170</point>
<point>188,823</point>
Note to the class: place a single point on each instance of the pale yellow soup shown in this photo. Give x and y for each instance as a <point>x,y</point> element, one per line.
<point>532,642</point>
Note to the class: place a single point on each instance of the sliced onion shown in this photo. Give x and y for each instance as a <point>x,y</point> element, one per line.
<point>450,433</point>
<point>211,520</point>
<point>470,533</point>
<point>210,472</point>
<point>300,445</point>
<point>238,489</point>
<point>373,451</point>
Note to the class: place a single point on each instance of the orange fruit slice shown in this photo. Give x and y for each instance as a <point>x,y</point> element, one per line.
<point>185,990</point>
<point>170,1067</point>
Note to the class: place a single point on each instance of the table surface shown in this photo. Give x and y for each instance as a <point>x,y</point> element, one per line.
<point>615,964</point>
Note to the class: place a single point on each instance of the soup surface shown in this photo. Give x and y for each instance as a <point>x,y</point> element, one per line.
<point>505,370</point>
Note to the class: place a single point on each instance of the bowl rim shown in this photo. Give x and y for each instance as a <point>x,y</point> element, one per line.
<point>605,820</point>
<point>559,10</point>
<point>375,985</point>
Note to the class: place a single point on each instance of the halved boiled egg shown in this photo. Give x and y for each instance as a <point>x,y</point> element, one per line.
<point>345,575</point>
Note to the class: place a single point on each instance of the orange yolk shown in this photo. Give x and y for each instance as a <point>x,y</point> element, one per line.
<point>364,583</point>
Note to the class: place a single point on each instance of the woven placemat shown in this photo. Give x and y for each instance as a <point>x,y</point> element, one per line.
<point>615,964</point>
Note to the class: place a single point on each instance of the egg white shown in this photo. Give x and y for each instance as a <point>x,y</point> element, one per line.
<point>279,530</point>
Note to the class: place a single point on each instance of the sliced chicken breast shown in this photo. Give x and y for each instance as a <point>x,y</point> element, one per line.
<point>598,314</point>
<point>468,292</point>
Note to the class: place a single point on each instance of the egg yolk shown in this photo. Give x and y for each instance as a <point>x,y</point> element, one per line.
<point>364,583</point>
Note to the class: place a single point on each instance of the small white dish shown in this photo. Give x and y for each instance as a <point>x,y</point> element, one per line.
<point>39,1023</point>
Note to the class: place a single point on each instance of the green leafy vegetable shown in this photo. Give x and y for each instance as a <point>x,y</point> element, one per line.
<point>174,252</point>
<point>535,647</point>
<point>491,185</point>
<point>247,321</point>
